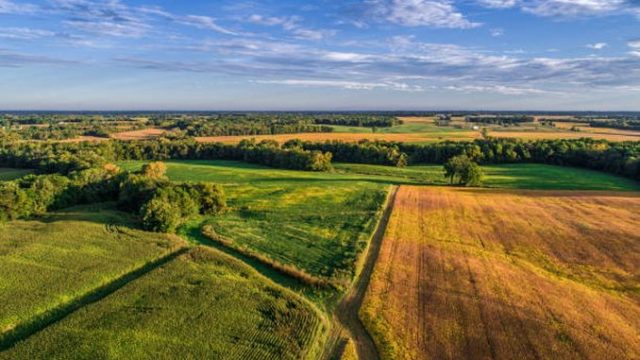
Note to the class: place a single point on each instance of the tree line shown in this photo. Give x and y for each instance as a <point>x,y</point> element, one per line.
<point>65,158</point>
<point>621,158</point>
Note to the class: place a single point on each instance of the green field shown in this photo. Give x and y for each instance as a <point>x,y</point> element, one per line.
<point>7,174</point>
<point>318,222</point>
<point>510,176</point>
<point>47,263</point>
<point>202,305</point>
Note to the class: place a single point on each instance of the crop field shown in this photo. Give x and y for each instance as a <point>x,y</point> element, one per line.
<point>142,134</point>
<point>318,222</point>
<point>7,174</point>
<point>508,274</point>
<point>47,263</point>
<point>201,305</point>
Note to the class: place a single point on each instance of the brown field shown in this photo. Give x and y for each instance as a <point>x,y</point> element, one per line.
<point>509,275</point>
<point>143,134</point>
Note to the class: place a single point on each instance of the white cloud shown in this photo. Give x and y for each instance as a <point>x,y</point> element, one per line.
<point>597,46</point>
<point>499,89</point>
<point>290,24</point>
<point>350,85</point>
<point>9,7</point>
<point>497,32</point>
<point>432,13</point>
<point>500,4</point>
<point>24,33</point>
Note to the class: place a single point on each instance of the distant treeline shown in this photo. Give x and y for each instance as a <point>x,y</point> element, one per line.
<point>617,158</point>
<point>617,124</point>
<point>179,126</point>
<point>359,120</point>
<point>499,120</point>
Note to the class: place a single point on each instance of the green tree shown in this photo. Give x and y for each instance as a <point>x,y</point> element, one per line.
<point>463,170</point>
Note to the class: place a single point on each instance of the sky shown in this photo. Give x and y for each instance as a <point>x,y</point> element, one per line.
<point>320,55</point>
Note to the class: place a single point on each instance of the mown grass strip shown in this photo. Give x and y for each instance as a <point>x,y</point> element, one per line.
<point>40,322</point>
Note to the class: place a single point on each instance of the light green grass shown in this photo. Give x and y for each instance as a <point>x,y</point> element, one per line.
<point>7,174</point>
<point>46,264</point>
<point>202,305</point>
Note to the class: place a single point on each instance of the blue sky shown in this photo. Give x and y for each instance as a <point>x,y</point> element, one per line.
<point>320,55</point>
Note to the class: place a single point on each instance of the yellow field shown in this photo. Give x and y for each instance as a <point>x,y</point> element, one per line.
<point>497,274</point>
<point>138,134</point>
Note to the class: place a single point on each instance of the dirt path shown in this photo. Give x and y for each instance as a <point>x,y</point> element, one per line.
<point>346,313</point>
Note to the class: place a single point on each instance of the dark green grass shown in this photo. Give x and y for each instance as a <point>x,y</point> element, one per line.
<point>7,174</point>
<point>202,305</point>
<point>48,263</point>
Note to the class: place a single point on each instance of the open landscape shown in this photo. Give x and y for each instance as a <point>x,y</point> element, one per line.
<point>320,180</point>
<point>164,246</point>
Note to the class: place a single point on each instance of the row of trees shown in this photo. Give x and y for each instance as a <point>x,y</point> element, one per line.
<point>359,120</point>
<point>499,119</point>
<point>621,158</point>
<point>65,158</point>
<point>617,124</point>
<point>364,152</point>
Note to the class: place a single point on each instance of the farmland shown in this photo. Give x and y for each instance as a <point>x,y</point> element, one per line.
<point>423,130</point>
<point>200,305</point>
<point>319,223</point>
<point>48,263</point>
<point>507,274</point>
<point>309,250</point>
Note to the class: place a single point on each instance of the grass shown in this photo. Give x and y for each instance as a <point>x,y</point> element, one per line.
<point>201,305</point>
<point>510,176</point>
<point>317,222</point>
<point>7,174</point>
<point>48,263</point>
<point>482,273</point>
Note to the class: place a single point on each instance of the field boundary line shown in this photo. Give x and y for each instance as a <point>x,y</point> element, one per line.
<point>40,322</point>
<point>347,311</point>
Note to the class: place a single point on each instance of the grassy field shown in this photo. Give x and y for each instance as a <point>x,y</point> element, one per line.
<point>7,174</point>
<point>509,176</point>
<point>487,273</point>
<point>47,264</point>
<point>202,305</point>
<point>318,222</point>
